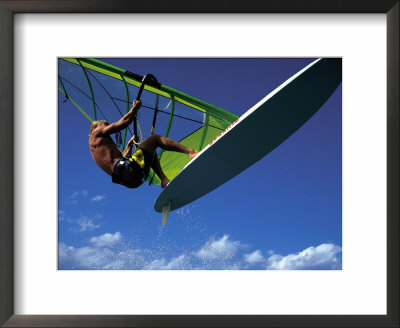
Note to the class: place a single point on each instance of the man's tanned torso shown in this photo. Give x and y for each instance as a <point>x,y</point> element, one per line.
<point>103,149</point>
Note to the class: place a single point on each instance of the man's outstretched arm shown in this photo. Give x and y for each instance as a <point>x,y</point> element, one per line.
<point>124,122</point>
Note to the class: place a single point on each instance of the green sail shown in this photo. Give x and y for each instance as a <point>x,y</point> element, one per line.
<point>101,91</point>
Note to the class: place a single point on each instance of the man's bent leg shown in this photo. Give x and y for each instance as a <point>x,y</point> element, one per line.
<point>155,165</point>
<point>154,141</point>
<point>150,145</point>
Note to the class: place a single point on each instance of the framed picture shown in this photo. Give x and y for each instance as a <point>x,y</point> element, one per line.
<point>40,287</point>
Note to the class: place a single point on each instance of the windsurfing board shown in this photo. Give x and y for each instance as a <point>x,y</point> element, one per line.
<point>252,136</point>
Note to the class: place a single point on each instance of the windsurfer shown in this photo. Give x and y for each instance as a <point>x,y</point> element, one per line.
<point>125,168</point>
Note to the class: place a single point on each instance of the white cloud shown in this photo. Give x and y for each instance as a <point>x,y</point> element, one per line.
<point>76,194</point>
<point>61,215</point>
<point>109,252</point>
<point>255,258</point>
<point>86,224</point>
<point>99,258</point>
<point>222,249</point>
<point>181,262</point>
<point>98,198</point>
<point>106,240</point>
<point>74,197</point>
<point>322,257</point>
<point>82,224</point>
<point>84,258</point>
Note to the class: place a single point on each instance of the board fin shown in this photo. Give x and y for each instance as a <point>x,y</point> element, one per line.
<point>165,212</point>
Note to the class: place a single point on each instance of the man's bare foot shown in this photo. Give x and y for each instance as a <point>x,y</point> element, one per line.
<point>193,153</point>
<point>164,182</point>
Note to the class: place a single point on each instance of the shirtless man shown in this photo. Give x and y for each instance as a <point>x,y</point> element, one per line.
<point>130,171</point>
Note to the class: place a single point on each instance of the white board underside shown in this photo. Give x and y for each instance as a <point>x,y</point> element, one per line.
<point>260,130</point>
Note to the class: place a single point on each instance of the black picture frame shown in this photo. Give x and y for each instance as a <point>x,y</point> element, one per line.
<point>10,7</point>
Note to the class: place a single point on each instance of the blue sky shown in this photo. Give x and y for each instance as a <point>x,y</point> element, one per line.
<point>284,212</point>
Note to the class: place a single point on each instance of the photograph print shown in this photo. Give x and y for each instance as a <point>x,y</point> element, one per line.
<point>199,163</point>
